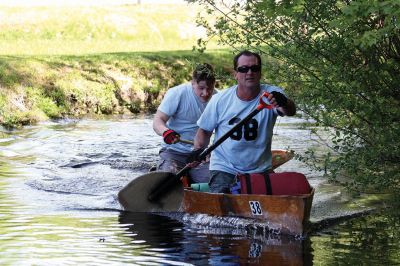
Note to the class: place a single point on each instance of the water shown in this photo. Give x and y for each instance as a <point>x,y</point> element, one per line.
<point>58,186</point>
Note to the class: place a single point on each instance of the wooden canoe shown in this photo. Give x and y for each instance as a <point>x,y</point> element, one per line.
<point>288,214</point>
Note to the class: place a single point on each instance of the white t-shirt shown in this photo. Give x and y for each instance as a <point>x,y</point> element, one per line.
<point>249,149</point>
<point>184,108</point>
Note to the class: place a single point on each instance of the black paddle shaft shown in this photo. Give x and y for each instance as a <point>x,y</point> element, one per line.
<point>164,186</point>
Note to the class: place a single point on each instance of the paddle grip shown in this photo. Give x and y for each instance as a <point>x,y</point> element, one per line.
<point>264,102</point>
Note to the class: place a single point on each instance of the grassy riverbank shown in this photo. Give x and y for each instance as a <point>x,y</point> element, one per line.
<point>58,61</point>
<point>36,88</point>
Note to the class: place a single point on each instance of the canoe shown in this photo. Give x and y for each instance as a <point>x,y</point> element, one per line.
<point>288,214</point>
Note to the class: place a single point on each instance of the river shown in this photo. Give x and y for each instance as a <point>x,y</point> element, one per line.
<point>58,186</point>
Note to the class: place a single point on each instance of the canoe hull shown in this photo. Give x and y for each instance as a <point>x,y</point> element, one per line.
<point>288,214</point>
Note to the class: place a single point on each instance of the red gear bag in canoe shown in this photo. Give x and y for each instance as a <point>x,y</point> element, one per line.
<point>286,183</point>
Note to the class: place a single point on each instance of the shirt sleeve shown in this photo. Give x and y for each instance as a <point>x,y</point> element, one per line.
<point>208,119</point>
<point>169,105</point>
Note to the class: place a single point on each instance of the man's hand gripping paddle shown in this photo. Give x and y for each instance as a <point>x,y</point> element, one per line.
<point>163,191</point>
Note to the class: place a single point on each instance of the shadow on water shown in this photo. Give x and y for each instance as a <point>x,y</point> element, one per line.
<point>155,230</point>
<point>213,246</point>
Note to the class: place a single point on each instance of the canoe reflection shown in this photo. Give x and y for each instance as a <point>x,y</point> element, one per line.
<point>155,230</point>
<point>252,248</point>
<point>200,245</point>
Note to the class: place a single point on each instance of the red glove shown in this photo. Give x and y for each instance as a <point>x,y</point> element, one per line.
<point>170,136</point>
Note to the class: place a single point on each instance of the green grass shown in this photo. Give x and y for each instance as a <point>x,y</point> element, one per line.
<point>36,88</point>
<point>103,29</point>
<point>72,61</point>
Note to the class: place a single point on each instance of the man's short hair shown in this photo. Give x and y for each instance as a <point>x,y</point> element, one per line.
<point>204,72</point>
<point>245,53</point>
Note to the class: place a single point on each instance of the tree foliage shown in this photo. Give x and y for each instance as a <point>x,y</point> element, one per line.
<point>340,61</point>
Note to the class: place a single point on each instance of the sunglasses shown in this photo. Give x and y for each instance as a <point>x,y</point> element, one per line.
<point>245,69</point>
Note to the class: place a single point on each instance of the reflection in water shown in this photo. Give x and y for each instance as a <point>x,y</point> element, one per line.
<point>58,186</point>
<point>368,240</point>
<point>214,246</point>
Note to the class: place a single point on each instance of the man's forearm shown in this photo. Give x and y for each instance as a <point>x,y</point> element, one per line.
<point>159,123</point>
<point>159,126</point>
<point>202,139</point>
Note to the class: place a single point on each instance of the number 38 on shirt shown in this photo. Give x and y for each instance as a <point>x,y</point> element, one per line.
<point>248,130</point>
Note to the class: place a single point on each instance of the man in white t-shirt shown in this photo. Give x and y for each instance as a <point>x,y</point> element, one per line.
<point>248,150</point>
<point>176,119</point>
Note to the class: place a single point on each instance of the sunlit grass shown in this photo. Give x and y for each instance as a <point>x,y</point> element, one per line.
<point>83,30</point>
<point>58,61</point>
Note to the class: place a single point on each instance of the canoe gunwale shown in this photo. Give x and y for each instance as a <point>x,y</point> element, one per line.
<point>271,196</point>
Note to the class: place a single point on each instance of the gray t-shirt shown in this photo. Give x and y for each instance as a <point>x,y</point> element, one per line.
<point>249,149</point>
<point>184,108</point>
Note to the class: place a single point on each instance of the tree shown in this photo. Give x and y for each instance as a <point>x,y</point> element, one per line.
<point>340,60</point>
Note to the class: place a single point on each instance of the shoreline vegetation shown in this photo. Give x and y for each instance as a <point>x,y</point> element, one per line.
<point>71,61</point>
<point>38,88</point>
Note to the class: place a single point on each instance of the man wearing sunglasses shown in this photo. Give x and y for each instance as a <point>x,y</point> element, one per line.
<point>176,118</point>
<point>248,150</point>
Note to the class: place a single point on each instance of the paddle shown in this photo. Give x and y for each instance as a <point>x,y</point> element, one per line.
<point>157,192</point>
<point>186,141</point>
<point>161,191</point>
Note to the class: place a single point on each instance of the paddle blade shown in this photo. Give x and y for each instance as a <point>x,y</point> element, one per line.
<point>280,157</point>
<point>134,196</point>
